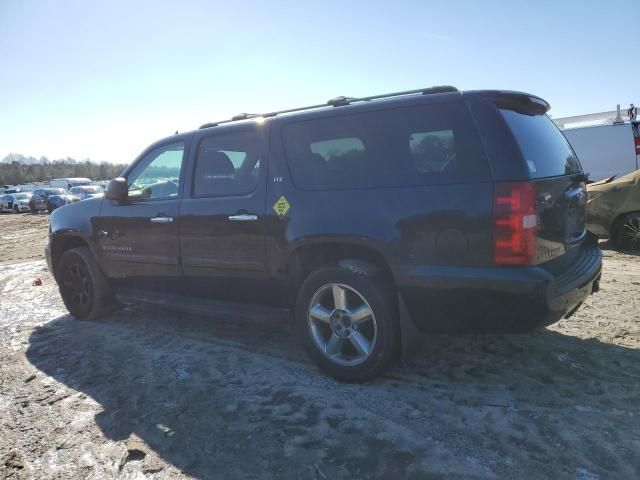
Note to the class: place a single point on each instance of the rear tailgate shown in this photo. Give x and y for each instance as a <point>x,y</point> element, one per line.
<point>554,170</point>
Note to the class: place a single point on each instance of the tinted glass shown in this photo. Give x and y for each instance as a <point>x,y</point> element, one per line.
<point>546,151</point>
<point>433,144</point>
<point>157,175</point>
<point>227,164</point>
<point>338,148</point>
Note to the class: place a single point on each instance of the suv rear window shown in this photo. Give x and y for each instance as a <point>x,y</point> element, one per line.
<point>546,151</point>
<point>425,145</point>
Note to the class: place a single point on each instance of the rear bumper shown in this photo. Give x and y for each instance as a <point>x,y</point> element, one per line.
<point>448,299</point>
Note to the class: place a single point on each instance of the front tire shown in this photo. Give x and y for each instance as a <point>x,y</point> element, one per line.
<point>348,322</point>
<point>83,287</point>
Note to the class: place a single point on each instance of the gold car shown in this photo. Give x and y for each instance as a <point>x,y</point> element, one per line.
<point>613,210</point>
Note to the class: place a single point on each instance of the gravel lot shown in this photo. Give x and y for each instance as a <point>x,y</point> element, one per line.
<point>22,236</point>
<point>149,394</point>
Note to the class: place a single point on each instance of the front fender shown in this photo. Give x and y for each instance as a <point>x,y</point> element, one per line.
<point>72,225</point>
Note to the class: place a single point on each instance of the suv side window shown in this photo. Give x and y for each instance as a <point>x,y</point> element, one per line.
<point>227,164</point>
<point>338,148</point>
<point>420,145</point>
<point>433,151</point>
<point>157,175</point>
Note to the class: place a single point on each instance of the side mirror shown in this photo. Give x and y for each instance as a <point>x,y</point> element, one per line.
<point>118,189</point>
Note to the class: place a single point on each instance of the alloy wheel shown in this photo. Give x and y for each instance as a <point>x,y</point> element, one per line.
<point>342,324</point>
<point>631,231</point>
<point>76,286</point>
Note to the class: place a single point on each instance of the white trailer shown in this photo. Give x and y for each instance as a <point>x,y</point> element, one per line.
<point>607,149</point>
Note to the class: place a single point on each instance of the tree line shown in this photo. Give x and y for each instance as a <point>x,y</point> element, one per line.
<point>16,169</point>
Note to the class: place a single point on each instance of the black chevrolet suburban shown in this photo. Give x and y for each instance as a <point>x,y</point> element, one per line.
<point>373,218</point>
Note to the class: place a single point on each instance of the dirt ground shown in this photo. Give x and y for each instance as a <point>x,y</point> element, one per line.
<point>146,393</point>
<point>22,236</point>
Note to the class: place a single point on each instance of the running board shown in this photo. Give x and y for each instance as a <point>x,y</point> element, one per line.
<point>203,306</point>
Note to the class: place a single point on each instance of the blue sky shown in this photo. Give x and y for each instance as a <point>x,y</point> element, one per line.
<point>104,79</point>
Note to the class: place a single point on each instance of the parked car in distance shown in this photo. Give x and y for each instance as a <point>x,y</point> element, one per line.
<point>87,191</point>
<point>21,202</point>
<point>28,187</point>
<point>38,201</point>
<point>433,209</point>
<point>14,202</point>
<point>613,210</point>
<point>6,203</point>
<point>60,200</point>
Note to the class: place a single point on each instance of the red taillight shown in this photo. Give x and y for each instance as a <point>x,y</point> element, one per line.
<point>515,223</point>
<point>637,145</point>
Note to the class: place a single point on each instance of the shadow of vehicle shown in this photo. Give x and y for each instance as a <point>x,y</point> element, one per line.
<point>234,397</point>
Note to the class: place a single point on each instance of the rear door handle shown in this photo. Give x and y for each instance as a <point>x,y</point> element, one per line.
<point>243,217</point>
<point>161,219</point>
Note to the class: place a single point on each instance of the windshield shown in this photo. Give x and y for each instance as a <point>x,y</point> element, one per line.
<point>546,151</point>
<point>22,196</point>
<point>55,191</point>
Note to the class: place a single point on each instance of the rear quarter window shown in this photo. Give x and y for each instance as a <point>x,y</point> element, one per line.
<point>421,145</point>
<point>546,151</point>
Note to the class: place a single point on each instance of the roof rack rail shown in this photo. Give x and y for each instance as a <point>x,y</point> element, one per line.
<point>335,102</point>
<point>244,116</point>
<point>338,101</point>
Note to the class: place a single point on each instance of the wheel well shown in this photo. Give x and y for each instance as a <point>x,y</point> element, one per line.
<point>306,259</point>
<point>61,245</point>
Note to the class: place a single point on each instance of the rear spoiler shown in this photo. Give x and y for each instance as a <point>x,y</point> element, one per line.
<point>522,103</point>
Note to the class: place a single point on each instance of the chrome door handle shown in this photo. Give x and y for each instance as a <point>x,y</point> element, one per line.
<point>161,219</point>
<point>244,217</point>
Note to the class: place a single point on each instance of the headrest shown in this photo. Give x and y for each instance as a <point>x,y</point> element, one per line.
<point>217,163</point>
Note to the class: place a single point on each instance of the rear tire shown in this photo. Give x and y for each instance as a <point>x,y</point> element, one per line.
<point>16,209</point>
<point>355,337</point>
<point>626,232</point>
<point>83,287</point>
